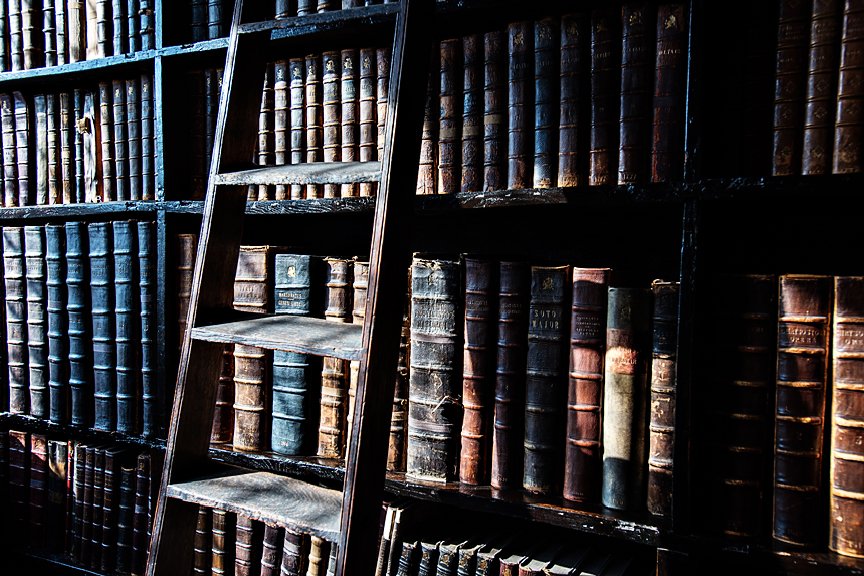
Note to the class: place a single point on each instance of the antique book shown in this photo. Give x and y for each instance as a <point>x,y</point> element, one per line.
<point>271,550</point>
<point>472,113</point>
<point>198,19</point>
<point>546,379</point>
<point>15,280</point>
<point>96,515</point>
<point>203,545</point>
<point>637,75</point>
<point>58,342</point>
<point>382,93</point>
<point>58,480</point>
<point>105,46</point>
<point>449,116</point>
<point>125,518</point>
<point>567,561</point>
<point>212,89</point>
<point>467,560</point>
<point>367,110</point>
<point>38,494</point>
<point>282,10</point>
<point>573,112</point>
<point>222,431</point>
<point>85,552</point>
<point>265,131</point>
<point>22,147</point>
<point>79,125</point>
<point>605,97</point>
<point>76,30</point>
<point>80,326</point>
<point>40,140</point>
<point>223,543</point>
<point>408,559</point>
<point>350,114</point>
<point>670,76</point>
<point>448,557</point>
<point>318,556</point>
<point>489,553</point>
<point>119,32</point>
<point>67,148</point>
<point>133,32</point>
<point>583,463</point>
<point>127,335</point>
<point>434,395</point>
<point>428,561</point>
<point>16,37</point>
<point>520,77</point>
<point>297,115</point>
<point>104,328</point>
<point>661,424</point>
<point>427,175</point>
<point>360,285</point>
<point>248,546</point>
<point>121,141</point>
<point>790,81</point>
<point>148,146</point>
<point>849,120</point>
<point>295,550</point>
<point>187,247</point>
<point>385,541</point>
<point>478,369</point>
<point>19,486</point>
<point>79,466</point>
<point>151,408</point>
<point>52,142</point>
<point>31,34</point>
<point>4,38</point>
<point>147,25</point>
<point>846,508</point>
<point>546,101</point>
<point>141,515</point>
<point>133,133</point>
<point>803,340</point>
<point>514,285</point>
<point>314,115</point>
<point>396,445</point>
<point>106,141</point>
<point>59,34</point>
<point>625,398</point>
<point>37,337</point>
<point>10,162</point>
<point>115,456</point>
<point>331,66</point>
<point>90,130</point>
<point>305,7</point>
<point>280,122</point>
<point>215,19</point>
<point>332,424</point>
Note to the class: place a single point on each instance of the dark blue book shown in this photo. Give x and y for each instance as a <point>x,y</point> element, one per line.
<point>126,314</point>
<point>134,38</point>
<point>37,337</point>
<point>79,331</point>
<point>150,412</point>
<point>102,314</point>
<point>58,342</point>
<point>16,319</point>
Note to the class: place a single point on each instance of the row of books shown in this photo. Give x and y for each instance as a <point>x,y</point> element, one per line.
<point>79,146</point>
<point>92,503</point>
<point>229,543</point>
<point>786,356</point>
<point>37,33</point>
<point>80,324</point>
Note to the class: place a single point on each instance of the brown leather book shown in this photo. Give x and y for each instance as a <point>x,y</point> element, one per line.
<point>494,117</point>
<point>10,161</point>
<point>849,122</point>
<point>331,65</point>
<point>368,110</point>
<point>450,115</point>
<point>280,122</point>
<point>39,491</point>
<point>222,431</point>
<point>297,113</point>
<point>382,91</point>
<point>583,464</point>
<point>295,550</point>
<point>350,114</point>
<point>790,81</point>
<point>265,131</point>
<point>637,75</point>
<point>605,96</point>
<point>52,130</point>
<point>427,179</point>
<point>573,112</point>
<point>478,369</point>
<point>803,339</point>
<point>399,416</point>
<point>222,560</point>
<point>547,58</point>
<point>314,118</point>
<point>472,113</point>
<point>826,22</point>
<point>271,550</point>
<point>203,544</point>
<point>334,376</point>
<point>187,247</point>
<point>520,78</point>
<point>248,546</point>
<point>670,76</point>
<point>846,507</point>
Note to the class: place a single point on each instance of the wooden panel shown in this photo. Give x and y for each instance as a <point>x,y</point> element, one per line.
<point>290,333</point>
<point>315,173</point>
<point>270,498</point>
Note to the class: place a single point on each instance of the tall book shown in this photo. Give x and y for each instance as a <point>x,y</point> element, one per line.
<point>573,98</point>
<point>427,177</point>
<point>846,508</point>
<point>37,337</point>
<point>382,94</point>
<point>80,121</point>
<point>15,280</point>
<point>10,162</point>
<point>77,30</point>
<point>54,171</point>
<point>120,122</point>
<point>434,395</point>
<point>40,139</point>
<point>125,518</point>
<point>106,141</point>
<point>80,326</point>
<point>141,514</point>
<point>349,137</point>
<point>583,464</point>
<point>297,114</point>
<point>271,550</point>
<point>449,117</point>
<point>661,426</point>
<point>16,38</point>
<point>67,148</point>
<point>133,132</point>
<point>148,143</point>
<point>4,39</point>
<point>396,445</point>
<point>849,119</point>
<point>198,19</point>
<point>114,458</point>
<point>222,431</point>
<point>85,550</point>
<point>58,342</point>
<point>215,19</point>
<point>22,147</point>
<point>360,285</point>
<point>127,336</point>
<point>133,32</point>
<point>49,31</point>
<point>96,513</point>
<point>295,550</point>
<point>77,495</point>
<point>546,379</point>
<point>203,544</point>
<point>334,374</point>
<point>367,110</point>
<point>546,101</point>
<point>605,97</point>
<point>223,542</point>
<point>314,115</point>
<point>803,340</point>
<point>247,555</point>
<point>103,318</point>
<point>514,285</point>
<point>58,478</point>
<point>625,398</point>
<point>147,25</point>
<point>670,76</point>
<point>151,421</point>
<point>472,113</point>
<point>520,77</point>
<point>280,122</point>
<point>637,75</point>
<point>92,148</point>
<point>331,67</point>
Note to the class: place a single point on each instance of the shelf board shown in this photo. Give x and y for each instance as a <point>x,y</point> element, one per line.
<point>282,207</point>
<point>38,425</point>
<point>330,469</point>
<point>74,68</point>
<point>311,173</point>
<point>82,209</point>
<point>819,188</point>
<point>270,498</point>
<point>289,333</point>
<point>314,24</point>
<point>213,45</point>
<point>524,505</point>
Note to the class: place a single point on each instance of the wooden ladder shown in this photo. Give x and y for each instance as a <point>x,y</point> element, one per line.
<point>349,517</point>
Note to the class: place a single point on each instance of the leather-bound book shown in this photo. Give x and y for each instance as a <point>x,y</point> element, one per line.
<point>396,445</point>
<point>212,90</point>
<point>625,398</point>
<point>334,375</point>
<point>52,131</point>
<point>215,19</point>
<point>78,499</point>
<point>637,75</point>
<point>280,122</point>
<point>488,555</point>
<point>104,44</point>
<point>96,516</point>
<point>297,111</point>
<point>114,457</point>
<point>133,133</point>
<point>360,284</point>
<point>79,125</point>
<point>305,7</point>
<point>520,78</point>
<point>148,146</point>
<point>141,516</point>
<point>350,114</point>
<point>367,122</point>
<point>49,31</point>
<point>478,369</point>
<point>80,326</point>
<point>546,101</point>
<point>40,140</point>
<point>38,491</point>
<point>86,550</point>
<point>22,147</point>
<point>19,486</point>
<point>57,491</point>
<point>670,76</point>
<point>583,464</point>
<point>132,28</point>
<point>605,96</point>
<point>295,549</point>
<point>331,64</point>
<point>125,516</point>
<point>408,559</point>
<point>249,537</point>
<point>58,343</point>
<point>121,141</point>
<point>326,5</point>
<point>37,316</point>
<point>90,129</point>
<point>187,247</point>
<point>448,557</point>
<point>127,334</point>
<point>106,141</point>
<point>319,554</point>
<point>271,550</point>
<point>16,319</point>
<point>449,117</point>
<point>282,10</point>
<point>66,168</point>
<point>203,543</point>
<point>10,162</point>
<point>314,114</point>
<point>846,525</point>
<point>265,130</point>
<point>661,425</point>
<point>427,175</point>
<point>849,120</point>
<point>434,394</point>
<point>803,341</point>
<point>222,431</point>
<point>147,25</point>
<point>472,113</point>
<point>31,34</point>
<point>223,542</point>
<point>467,561</point>
<point>573,113</point>
<point>76,30</point>
<point>514,285</point>
<point>382,91</point>
<point>102,314</point>
<point>790,81</point>
<point>428,561</point>
<point>16,38</point>
<point>546,379</point>
<point>4,38</point>
<point>119,33</point>
<point>151,411</point>
<point>198,19</point>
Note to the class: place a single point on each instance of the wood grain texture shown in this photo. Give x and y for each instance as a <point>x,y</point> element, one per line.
<point>322,173</point>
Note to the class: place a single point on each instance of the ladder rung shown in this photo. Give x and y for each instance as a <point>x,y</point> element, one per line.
<point>270,498</point>
<point>312,173</point>
<point>290,333</point>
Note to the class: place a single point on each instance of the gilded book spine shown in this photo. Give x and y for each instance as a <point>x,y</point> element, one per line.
<point>637,75</point>
<point>350,114</point>
<point>280,122</point>
<point>667,142</point>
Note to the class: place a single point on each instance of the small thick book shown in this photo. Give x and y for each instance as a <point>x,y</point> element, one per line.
<point>104,328</point>
<point>37,337</point>
<point>16,319</point>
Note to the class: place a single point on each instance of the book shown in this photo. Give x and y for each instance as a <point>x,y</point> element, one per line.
<point>846,507</point>
<point>297,115</point>
<point>133,33</point>
<point>331,65</point>
<point>133,133</point>
<point>10,162</point>
<point>573,112</point>
<point>31,34</point>
<point>382,95</point>
<point>114,457</point>
<point>583,463</point>
<point>449,116</point>
<point>22,147</point>
<point>223,542</point>
<point>360,285</point>
<point>637,75</point>
<point>4,39</point>
<point>203,545</point>
<point>96,513</point>
<point>314,117</point>
<point>625,398</point>
<point>670,77</point>
<point>334,374</point>
<point>37,338</point>
<point>19,486</point>
<point>58,342</point>
<point>514,286</point>
<point>67,148</point>
<point>80,126</point>
<point>78,490</point>
<point>397,440</point>
<point>77,30</point>
<point>104,327</point>
<point>448,557</point>
<point>271,550</point>
<point>212,88</point>
<point>349,137</point>
<point>265,130</point>
<point>148,146</point>
<point>222,431</point>
<point>661,425</point>
<point>295,549</point>
<point>434,395</point>
<point>121,140</point>
<point>106,141</point>
<point>408,559</point>
<point>546,379</point>
<point>428,561</point>
<point>215,19</point>
<point>546,101</point>
<point>147,25</point>
<point>803,340</point>
<point>17,355</point>
<point>471,152</point>
<point>40,139</point>
<point>125,517</point>
<point>127,336</point>
<point>368,114</point>
<point>80,324</point>
<point>187,247</point>
<point>198,19</point>
<point>141,515</point>
<point>38,495</point>
<point>427,178</point>
<point>16,35</point>
<point>280,122</point>
<point>104,33</point>
<point>605,97</point>
<point>119,29</point>
<point>85,552</point>
<point>849,120</point>
<point>248,542</point>
<point>54,171</point>
<point>318,556</point>
<point>56,488</point>
<point>520,75</point>
<point>151,405</point>
<point>92,148</point>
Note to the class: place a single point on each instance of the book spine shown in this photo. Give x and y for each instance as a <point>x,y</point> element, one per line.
<point>546,101</point>
<point>78,308</point>
<point>295,549</point>
<point>140,518</point>
<point>203,543</point>
<point>126,334</point>
<point>151,413</point>
<point>60,31</point>
<point>133,33</point>
<point>67,148</point>
<point>330,98</point>
<point>77,31</point>
<point>80,124</point>
<point>121,141</point>
<point>58,343</point>
<point>334,383</point>
<point>37,338</point>
<point>661,427</point>
<point>426,176</point>
<point>297,112</point>
<point>368,120</point>
<point>280,122</point>
<point>849,120</point>
<point>4,39</point>
<point>49,30</point>
<point>358,313</point>
<point>16,319</point>
<point>319,555</point>
<point>78,499</point>
<point>223,542</point>
<point>119,29</point>
<point>10,161</point>
<point>399,413</point>
<point>133,134</point>
<point>350,115</point>
<point>247,553</point>
<point>16,37</point>
<point>57,459</point>
<point>38,491</point>
<point>86,549</point>
<point>583,464</point>
<point>637,76</point>
<point>520,75</point>
<point>314,114</point>
<point>96,512</point>
<point>92,149</point>
<point>19,485</point>
<point>434,403</point>
<point>40,108</point>
<point>282,10</point>
<point>198,19</point>
<point>472,113</point>
<point>382,91</point>
<point>102,314</point>
<point>148,28</point>
<point>223,414</point>
<point>271,550</point>
<point>846,506</point>
<point>250,398</point>
<point>407,559</point>
<point>305,7</point>
<point>148,156</point>
<point>605,102</point>
<point>573,112</point>
<point>803,339</point>
<point>212,88</point>
<point>106,137</point>
<point>125,515</point>
<point>103,28</point>
<point>428,559</point>
<point>449,117</point>
<point>22,135</point>
<point>625,398</point>
<point>31,33</point>
<point>789,86</point>
<point>667,142</point>
<point>110,496</point>
<point>265,130</point>
<point>187,246</point>
<point>545,379</point>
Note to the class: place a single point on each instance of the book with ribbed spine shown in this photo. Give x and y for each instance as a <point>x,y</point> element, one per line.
<point>16,37</point>
<point>102,314</point>
<point>367,110</point>
<point>151,413</point>
<point>314,117</point>
<point>494,124</point>
<point>79,124</point>
<point>104,44</point>
<point>31,34</point>
<point>297,114</point>
<point>125,515</point>
<point>265,131</point>
<point>849,119</point>
<point>331,67</point>
<point>37,337</point>
<point>382,91</point>
<point>334,374</point>
<point>15,279</point>
<point>80,328</point>
<point>119,29</point>
<point>97,515</point>
<point>295,552</point>
<point>472,113</point>
<point>215,20</point>
<point>40,140</point>
<point>670,76</point>
<point>318,556</point>
<point>350,114</point>
<point>360,285</point>
<point>127,336</point>
<point>520,77</point>
<point>38,491</point>
<point>187,247</point>
<point>52,140</point>
<point>121,141</point>
<point>148,146</point>
<point>10,161</point>
<point>115,456</point>
<point>271,550</point>
<point>202,544</point>
<point>573,113</point>
<point>396,445</point>
<point>147,25</point>
<point>106,141</point>
<point>85,550</point>
<point>427,180</point>
<point>133,33</point>
<point>280,122</point>
<point>605,97</point>
<point>247,555</point>
<point>212,88</point>
<point>58,342</point>
<point>142,512</point>
<point>76,30</point>
<point>4,39</point>
<point>449,116</point>
<point>90,129</point>
<point>198,19</point>
<point>637,76</point>
<point>222,431</point>
<point>22,147</point>
<point>546,101</point>
<point>223,542</point>
<point>133,133</point>
<point>67,148</point>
